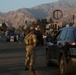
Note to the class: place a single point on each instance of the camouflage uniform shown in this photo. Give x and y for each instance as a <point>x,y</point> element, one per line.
<point>30,41</point>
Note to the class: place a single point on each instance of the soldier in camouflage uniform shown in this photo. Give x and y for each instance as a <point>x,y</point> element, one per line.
<point>30,42</point>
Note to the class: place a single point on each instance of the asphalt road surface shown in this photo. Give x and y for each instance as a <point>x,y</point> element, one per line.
<point>12,56</point>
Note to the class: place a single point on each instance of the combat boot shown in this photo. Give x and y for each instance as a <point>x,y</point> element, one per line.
<point>26,68</point>
<point>31,68</point>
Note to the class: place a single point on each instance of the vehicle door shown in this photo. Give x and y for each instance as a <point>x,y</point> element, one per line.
<point>53,46</point>
<point>58,43</point>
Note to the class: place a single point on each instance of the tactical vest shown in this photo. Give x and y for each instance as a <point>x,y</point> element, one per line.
<point>29,39</point>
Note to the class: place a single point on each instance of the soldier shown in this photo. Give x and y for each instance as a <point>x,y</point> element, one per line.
<point>30,42</point>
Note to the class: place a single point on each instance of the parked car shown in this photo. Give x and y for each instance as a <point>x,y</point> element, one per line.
<point>61,50</point>
<point>11,36</point>
<point>39,36</point>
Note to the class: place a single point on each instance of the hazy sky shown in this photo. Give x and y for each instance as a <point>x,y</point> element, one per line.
<point>12,5</point>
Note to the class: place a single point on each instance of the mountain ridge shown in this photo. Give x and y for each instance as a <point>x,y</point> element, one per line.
<point>18,17</point>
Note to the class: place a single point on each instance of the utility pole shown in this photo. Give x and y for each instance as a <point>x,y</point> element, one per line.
<point>73,19</point>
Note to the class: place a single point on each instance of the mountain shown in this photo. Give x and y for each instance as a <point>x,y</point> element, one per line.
<point>18,17</point>
<point>68,3</point>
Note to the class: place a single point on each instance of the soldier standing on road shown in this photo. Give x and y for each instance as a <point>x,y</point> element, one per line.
<point>30,42</point>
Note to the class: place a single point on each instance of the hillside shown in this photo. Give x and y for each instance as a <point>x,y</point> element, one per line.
<point>18,17</point>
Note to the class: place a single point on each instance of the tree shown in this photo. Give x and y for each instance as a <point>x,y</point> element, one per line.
<point>38,22</point>
<point>4,27</point>
<point>44,22</point>
<point>51,20</point>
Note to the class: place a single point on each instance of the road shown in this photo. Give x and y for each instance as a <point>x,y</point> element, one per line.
<point>12,56</point>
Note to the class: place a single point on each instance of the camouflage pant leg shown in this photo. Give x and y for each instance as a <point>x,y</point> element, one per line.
<point>32,58</point>
<point>27,60</point>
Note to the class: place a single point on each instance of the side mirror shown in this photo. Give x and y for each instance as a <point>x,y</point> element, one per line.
<point>53,41</point>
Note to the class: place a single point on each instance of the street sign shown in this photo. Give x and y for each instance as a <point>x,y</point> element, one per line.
<point>57,14</point>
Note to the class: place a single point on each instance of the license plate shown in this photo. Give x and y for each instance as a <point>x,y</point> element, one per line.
<point>12,38</point>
